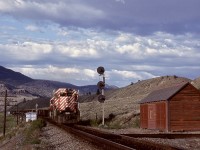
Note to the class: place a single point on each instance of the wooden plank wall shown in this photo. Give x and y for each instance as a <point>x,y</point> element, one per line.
<point>152,116</point>
<point>184,110</point>
<point>144,116</point>
<point>161,115</point>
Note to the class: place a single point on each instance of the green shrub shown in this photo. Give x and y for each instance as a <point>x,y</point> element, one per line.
<point>32,132</point>
<point>94,123</point>
<point>136,122</point>
<point>35,141</point>
<point>114,126</point>
<point>37,124</point>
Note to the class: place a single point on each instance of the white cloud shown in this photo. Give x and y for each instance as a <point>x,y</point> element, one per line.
<point>132,74</point>
<point>134,16</point>
<point>5,28</point>
<point>50,10</point>
<point>6,5</point>
<point>131,49</point>
<point>76,49</point>
<point>62,32</point>
<point>71,75</point>
<point>32,28</point>
<point>121,1</point>
<point>90,73</point>
<point>70,70</point>
<point>26,51</point>
<point>126,57</point>
<point>38,48</point>
<point>78,36</point>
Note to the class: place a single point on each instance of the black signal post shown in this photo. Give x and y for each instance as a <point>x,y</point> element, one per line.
<point>101,86</point>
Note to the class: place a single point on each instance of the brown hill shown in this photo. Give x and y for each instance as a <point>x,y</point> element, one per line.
<point>196,82</point>
<point>125,100</point>
<point>15,95</point>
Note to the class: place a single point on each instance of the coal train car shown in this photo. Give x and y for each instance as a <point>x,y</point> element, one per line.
<point>64,106</point>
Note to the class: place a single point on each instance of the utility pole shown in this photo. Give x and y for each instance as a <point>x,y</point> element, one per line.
<point>17,115</point>
<point>5,107</point>
<point>5,111</point>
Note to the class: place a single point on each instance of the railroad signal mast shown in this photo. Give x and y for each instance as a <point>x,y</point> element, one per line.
<point>101,86</point>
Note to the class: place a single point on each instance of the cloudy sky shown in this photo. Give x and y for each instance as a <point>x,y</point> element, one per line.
<point>66,40</point>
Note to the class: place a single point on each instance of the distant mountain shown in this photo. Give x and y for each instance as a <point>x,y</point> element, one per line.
<point>15,81</point>
<point>13,78</point>
<point>45,88</point>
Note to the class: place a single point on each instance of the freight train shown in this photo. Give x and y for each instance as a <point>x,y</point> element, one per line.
<point>64,106</point>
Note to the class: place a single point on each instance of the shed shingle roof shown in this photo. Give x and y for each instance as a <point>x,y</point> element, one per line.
<point>163,94</point>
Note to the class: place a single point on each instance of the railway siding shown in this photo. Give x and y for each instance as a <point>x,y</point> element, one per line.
<point>54,138</point>
<point>107,140</point>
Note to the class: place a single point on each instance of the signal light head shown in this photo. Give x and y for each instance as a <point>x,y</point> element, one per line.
<point>100,70</point>
<point>101,85</point>
<point>101,98</point>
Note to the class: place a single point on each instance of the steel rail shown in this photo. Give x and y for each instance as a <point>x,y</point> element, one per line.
<point>110,141</point>
<point>102,142</point>
<point>128,141</point>
<point>164,135</point>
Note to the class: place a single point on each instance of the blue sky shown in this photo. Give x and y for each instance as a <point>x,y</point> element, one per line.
<point>66,40</point>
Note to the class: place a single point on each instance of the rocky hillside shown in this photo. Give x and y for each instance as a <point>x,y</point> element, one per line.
<point>140,88</point>
<point>125,100</point>
<point>15,95</point>
<point>196,83</point>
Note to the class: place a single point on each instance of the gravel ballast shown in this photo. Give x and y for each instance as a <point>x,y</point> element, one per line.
<point>53,138</point>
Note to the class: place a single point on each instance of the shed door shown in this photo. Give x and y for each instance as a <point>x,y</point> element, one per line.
<point>144,116</point>
<point>152,116</point>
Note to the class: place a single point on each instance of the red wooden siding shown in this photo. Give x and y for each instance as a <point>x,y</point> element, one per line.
<point>144,116</point>
<point>153,115</point>
<point>185,110</point>
<point>176,109</point>
<point>161,116</point>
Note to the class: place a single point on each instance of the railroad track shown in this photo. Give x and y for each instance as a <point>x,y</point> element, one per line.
<point>164,135</point>
<point>110,141</point>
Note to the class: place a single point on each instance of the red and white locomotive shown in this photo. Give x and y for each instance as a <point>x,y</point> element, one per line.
<point>64,106</point>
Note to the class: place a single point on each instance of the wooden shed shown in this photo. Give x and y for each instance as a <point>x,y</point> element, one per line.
<point>175,108</point>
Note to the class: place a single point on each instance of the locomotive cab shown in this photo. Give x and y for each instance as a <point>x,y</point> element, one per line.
<point>64,106</point>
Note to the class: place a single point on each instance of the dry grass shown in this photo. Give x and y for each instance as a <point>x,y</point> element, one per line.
<point>123,101</point>
<point>196,83</point>
<point>10,123</point>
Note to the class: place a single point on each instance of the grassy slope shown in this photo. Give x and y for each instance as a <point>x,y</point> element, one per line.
<point>10,122</point>
<point>124,101</point>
